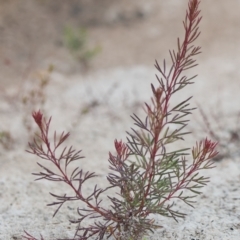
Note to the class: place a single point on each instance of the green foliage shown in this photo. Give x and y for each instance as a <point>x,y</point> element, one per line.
<point>76,40</point>
<point>147,175</point>
<point>6,140</point>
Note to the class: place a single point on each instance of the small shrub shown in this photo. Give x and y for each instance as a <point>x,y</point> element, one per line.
<point>222,128</point>
<point>76,40</point>
<point>148,172</point>
<point>35,96</point>
<point>6,140</point>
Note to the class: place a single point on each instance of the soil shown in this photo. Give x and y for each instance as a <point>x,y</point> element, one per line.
<point>129,33</point>
<point>93,101</point>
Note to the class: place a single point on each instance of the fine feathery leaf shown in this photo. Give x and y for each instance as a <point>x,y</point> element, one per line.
<point>148,172</point>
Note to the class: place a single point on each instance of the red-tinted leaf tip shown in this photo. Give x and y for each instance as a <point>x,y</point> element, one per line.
<point>38,118</point>
<point>122,149</point>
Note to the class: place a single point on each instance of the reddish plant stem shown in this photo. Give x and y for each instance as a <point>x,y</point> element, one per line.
<point>44,128</point>
<point>207,148</point>
<point>161,111</point>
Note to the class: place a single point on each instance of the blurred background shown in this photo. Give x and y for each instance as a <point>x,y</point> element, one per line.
<point>81,36</point>
<point>89,64</point>
<point>93,39</point>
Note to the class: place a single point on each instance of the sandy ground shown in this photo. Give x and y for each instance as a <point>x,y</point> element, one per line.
<point>95,108</point>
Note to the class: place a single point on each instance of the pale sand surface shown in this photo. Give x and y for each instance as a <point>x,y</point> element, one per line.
<point>115,87</point>
<point>23,202</point>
